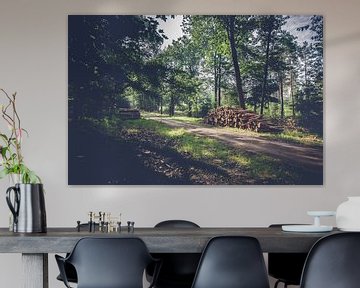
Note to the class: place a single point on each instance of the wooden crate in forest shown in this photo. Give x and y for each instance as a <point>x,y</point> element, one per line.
<point>128,113</point>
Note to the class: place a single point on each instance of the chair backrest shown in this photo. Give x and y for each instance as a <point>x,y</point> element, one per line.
<point>232,262</point>
<point>110,262</point>
<point>178,269</point>
<point>176,224</point>
<point>287,267</point>
<point>333,262</point>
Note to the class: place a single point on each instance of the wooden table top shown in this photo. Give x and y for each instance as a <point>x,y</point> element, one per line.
<point>158,240</point>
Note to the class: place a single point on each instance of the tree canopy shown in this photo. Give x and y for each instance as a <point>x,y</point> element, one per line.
<point>250,61</point>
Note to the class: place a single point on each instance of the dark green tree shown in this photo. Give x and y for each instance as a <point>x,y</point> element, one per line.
<point>310,96</point>
<point>108,54</point>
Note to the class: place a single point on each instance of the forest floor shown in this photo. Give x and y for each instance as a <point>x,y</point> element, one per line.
<point>308,157</point>
<point>168,152</point>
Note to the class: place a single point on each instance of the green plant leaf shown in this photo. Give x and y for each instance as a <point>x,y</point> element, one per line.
<point>4,137</point>
<point>3,151</point>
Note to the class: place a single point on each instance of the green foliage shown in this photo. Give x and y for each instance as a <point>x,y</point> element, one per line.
<point>108,54</point>
<point>26,175</point>
<point>118,61</point>
<point>311,110</point>
<point>11,159</point>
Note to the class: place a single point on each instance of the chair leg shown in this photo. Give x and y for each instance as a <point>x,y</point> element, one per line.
<point>278,282</point>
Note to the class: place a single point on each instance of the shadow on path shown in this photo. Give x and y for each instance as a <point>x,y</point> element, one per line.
<point>95,158</point>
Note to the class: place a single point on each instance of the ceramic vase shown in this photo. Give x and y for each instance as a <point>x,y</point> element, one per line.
<point>27,204</point>
<point>13,179</point>
<point>348,214</point>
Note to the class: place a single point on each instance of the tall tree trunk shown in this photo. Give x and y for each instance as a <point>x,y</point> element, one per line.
<point>219,82</point>
<point>305,71</point>
<point>266,66</point>
<point>292,92</point>
<point>161,105</point>
<point>282,113</point>
<point>215,80</point>
<point>231,35</point>
<point>172,106</point>
<point>219,91</point>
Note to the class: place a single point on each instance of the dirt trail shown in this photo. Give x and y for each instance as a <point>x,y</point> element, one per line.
<point>307,157</point>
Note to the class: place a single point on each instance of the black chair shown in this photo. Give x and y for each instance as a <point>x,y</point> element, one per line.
<point>232,262</point>
<point>178,269</point>
<point>108,263</point>
<point>333,262</point>
<point>69,269</point>
<point>286,267</point>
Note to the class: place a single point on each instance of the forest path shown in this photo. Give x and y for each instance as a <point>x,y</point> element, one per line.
<point>307,157</point>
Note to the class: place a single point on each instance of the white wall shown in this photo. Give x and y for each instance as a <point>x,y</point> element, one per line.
<point>33,62</point>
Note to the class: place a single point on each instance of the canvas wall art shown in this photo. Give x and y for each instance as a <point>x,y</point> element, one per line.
<point>195,100</point>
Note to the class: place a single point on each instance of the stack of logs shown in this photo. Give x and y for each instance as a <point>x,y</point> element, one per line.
<point>240,118</point>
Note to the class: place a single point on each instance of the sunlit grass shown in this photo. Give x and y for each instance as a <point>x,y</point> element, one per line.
<point>291,136</point>
<point>256,166</point>
<point>145,114</point>
<point>199,147</point>
<point>181,118</point>
<point>298,137</point>
<point>240,159</point>
<point>190,120</point>
<point>175,133</point>
<point>144,124</point>
<point>265,167</point>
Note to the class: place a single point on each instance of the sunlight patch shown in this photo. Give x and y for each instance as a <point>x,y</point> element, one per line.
<point>176,132</point>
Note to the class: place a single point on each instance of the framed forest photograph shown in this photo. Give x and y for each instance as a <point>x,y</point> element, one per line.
<point>195,100</point>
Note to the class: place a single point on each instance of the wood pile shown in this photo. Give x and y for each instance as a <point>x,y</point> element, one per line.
<point>128,113</point>
<point>240,118</point>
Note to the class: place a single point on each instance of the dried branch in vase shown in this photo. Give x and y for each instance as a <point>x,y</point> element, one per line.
<point>11,158</point>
